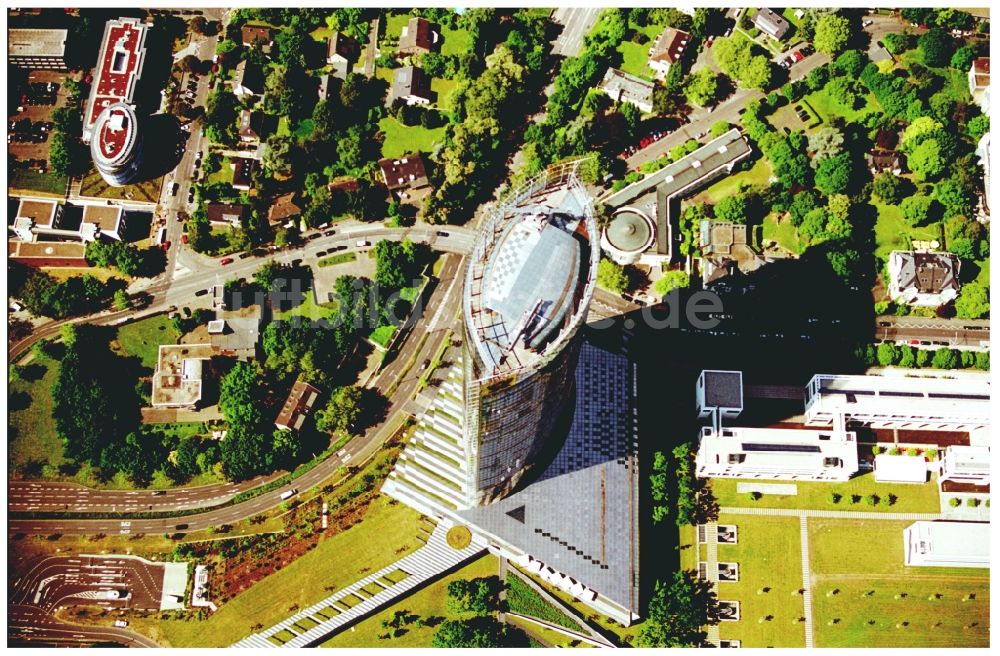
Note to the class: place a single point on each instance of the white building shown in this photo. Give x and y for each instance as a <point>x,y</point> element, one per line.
<point>979,83</point>
<point>900,469</point>
<point>775,453</point>
<point>966,464</point>
<point>947,544</point>
<point>930,404</point>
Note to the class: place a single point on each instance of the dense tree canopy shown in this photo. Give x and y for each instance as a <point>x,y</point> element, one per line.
<point>676,613</point>
<point>832,34</point>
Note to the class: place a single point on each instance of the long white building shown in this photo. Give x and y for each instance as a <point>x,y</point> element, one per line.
<point>947,544</point>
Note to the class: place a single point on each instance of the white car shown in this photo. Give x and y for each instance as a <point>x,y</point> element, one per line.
<point>121,624</point>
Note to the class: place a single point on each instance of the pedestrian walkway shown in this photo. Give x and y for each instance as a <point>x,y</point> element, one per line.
<point>355,602</point>
<point>711,534</point>
<point>806,580</point>
<point>829,514</point>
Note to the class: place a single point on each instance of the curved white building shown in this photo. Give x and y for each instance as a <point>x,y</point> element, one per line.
<point>116,145</point>
<point>628,235</point>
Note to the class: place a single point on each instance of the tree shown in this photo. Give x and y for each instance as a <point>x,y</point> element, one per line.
<point>67,155</point>
<point>850,63</point>
<point>827,142</point>
<point>676,614</point>
<point>962,59</point>
<point>281,155</point>
<point>611,276</point>
<point>956,198</point>
<point>758,73</point>
<point>478,596</point>
<point>973,301</point>
<point>916,209</point>
<point>120,300</point>
<point>833,174</point>
<point>832,34</point>
<point>926,161</point>
<point>186,457</point>
<point>701,87</point>
<point>888,187</point>
<point>887,354</point>
<point>719,128</point>
<point>936,47</point>
<point>341,412</point>
<point>670,281</point>
<point>266,275</point>
<point>395,263</point>
<point>945,358</point>
<point>287,448</point>
<point>474,633</point>
<point>897,43</point>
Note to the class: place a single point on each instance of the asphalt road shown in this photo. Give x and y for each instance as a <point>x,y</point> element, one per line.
<point>29,624</point>
<point>576,24</point>
<point>55,581</point>
<point>934,333</point>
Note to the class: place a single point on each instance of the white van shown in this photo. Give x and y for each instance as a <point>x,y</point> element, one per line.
<point>362,243</point>
<point>288,494</point>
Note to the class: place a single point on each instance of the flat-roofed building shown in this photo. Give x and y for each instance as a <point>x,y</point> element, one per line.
<point>979,82</point>
<point>625,87</point>
<point>947,544</point>
<point>680,179</point>
<point>297,407</point>
<point>47,253</point>
<point>900,469</point>
<point>41,219</point>
<point>667,50</point>
<point>116,145</point>
<point>235,333</point>
<point>37,48</point>
<point>119,66</point>
<point>41,212</point>
<point>929,404</point>
<point>177,381</point>
<point>925,279</point>
<point>629,233</point>
<point>966,465</point>
<point>775,453</point>
<point>720,391</point>
<point>725,245</point>
<point>108,220</point>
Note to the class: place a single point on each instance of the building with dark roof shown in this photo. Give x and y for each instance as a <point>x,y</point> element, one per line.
<point>255,126</point>
<point>724,245</point>
<point>248,80</point>
<point>259,34</point>
<point>918,278</point>
<point>242,172</point>
<point>628,235</point>
<point>771,24</point>
<point>667,50</point>
<point>283,208</point>
<point>418,36</point>
<point>119,66</point>
<point>228,213</point>
<point>404,172</point>
<point>411,85</point>
<point>297,406</point>
<point>342,51</point>
<point>37,48</point>
<point>880,161</point>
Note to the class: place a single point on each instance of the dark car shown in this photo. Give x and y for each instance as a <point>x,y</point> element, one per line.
<point>441,233</point>
<point>296,263</point>
<point>158,493</point>
<point>173,189</point>
<point>180,527</point>
<point>244,256</point>
<point>329,233</point>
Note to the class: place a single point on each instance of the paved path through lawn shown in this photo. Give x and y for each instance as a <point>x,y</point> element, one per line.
<point>806,580</point>
<point>336,612</point>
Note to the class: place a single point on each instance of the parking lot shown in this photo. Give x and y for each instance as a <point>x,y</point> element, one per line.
<point>44,92</point>
<point>121,582</point>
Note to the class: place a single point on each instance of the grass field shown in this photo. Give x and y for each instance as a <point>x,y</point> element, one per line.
<point>826,107</point>
<point>33,181</point>
<point>635,55</point>
<point>309,309</point>
<point>337,259</point>
<point>337,561</point>
<point>757,175</point>
<point>880,573</point>
<point>769,556</point>
<point>143,338</point>
<point>428,601</point>
<point>224,174</point>
<point>382,335</point>
<point>784,233</point>
<point>892,233</point>
<point>101,273</point>
<point>403,139</point>
<point>33,435</point>
<point>911,498</point>
<point>443,89</point>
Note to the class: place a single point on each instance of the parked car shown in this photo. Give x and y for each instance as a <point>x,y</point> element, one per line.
<point>184,238</point>
<point>329,233</point>
<point>226,260</point>
<point>166,246</point>
<point>173,189</point>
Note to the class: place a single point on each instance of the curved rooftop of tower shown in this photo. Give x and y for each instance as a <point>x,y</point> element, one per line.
<point>114,134</point>
<point>629,231</point>
<point>532,271</point>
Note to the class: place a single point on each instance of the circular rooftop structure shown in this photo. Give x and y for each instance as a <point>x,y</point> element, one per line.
<point>116,144</point>
<point>629,233</point>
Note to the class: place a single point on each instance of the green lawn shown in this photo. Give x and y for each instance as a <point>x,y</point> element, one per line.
<point>309,309</point>
<point>826,107</point>
<point>142,338</point>
<point>910,498</point>
<point>31,435</point>
<point>282,130</point>
<point>94,185</point>
<point>443,89</point>
<point>403,139</point>
<point>454,42</point>
<point>880,573</point>
<point>394,24</point>
<point>757,175</point>
<point>769,556</point>
<point>382,335</point>
<point>33,181</point>
<point>224,174</point>
<point>525,601</point>
<point>892,233</point>
<point>428,601</point>
<point>784,233</point>
<point>337,259</point>
<point>635,55</point>
<point>336,561</point>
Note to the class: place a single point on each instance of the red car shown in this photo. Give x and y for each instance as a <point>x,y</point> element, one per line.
<point>708,43</point>
<point>184,238</point>
<point>226,260</point>
<point>798,55</point>
<point>166,246</point>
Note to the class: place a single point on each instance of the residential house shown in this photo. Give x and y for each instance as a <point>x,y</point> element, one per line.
<point>623,87</point>
<point>259,34</point>
<point>226,213</point>
<point>880,161</point>
<point>242,173</point>
<point>255,126</point>
<point>667,50</point>
<point>342,52</point>
<point>928,279</point>
<point>418,36</point>
<point>404,173</point>
<point>283,209</point>
<point>979,82</point>
<point>297,406</point>
<point>771,24</point>
<point>411,85</point>
<point>248,81</point>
